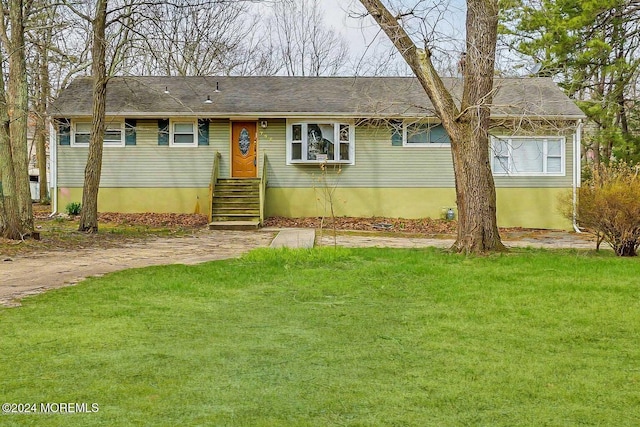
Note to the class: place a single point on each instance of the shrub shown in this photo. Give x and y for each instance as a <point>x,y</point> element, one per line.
<point>73,208</point>
<point>609,205</point>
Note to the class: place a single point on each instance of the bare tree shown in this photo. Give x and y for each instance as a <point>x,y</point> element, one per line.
<point>89,213</point>
<point>304,44</point>
<point>17,215</point>
<point>116,32</point>
<point>12,35</point>
<point>10,226</point>
<point>196,40</point>
<point>466,124</point>
<point>43,89</point>
<point>40,38</point>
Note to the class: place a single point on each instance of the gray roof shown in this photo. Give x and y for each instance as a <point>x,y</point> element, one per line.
<point>358,97</point>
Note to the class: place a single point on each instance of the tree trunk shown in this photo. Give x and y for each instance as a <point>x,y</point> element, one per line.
<point>89,213</point>
<point>41,121</point>
<point>9,212</point>
<point>627,248</point>
<point>475,188</point>
<point>467,126</point>
<point>18,114</point>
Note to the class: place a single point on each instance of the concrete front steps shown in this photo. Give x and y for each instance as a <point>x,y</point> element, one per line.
<point>236,204</point>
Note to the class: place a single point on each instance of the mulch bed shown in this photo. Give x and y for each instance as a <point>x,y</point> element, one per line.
<point>155,219</point>
<point>415,226</point>
<point>422,226</point>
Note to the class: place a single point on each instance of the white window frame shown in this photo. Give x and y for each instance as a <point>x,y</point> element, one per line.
<point>110,125</point>
<point>513,140</point>
<point>172,133</point>
<point>405,138</point>
<point>74,126</point>
<point>336,137</point>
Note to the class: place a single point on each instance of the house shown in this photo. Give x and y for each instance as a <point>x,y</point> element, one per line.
<point>173,144</point>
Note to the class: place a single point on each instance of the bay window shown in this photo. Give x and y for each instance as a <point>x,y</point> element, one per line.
<point>319,142</point>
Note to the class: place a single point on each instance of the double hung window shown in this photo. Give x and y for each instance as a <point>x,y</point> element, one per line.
<point>528,156</point>
<point>183,133</point>
<point>113,134</point>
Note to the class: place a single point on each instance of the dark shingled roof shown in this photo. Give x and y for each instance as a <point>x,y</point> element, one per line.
<point>358,97</point>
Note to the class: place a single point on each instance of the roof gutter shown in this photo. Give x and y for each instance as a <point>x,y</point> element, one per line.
<point>577,174</point>
<point>291,115</point>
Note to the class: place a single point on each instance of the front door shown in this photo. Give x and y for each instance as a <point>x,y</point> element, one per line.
<point>244,162</point>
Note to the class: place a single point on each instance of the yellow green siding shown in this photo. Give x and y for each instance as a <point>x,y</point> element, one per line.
<point>386,180</point>
<point>138,200</point>
<point>517,207</point>
<point>532,208</point>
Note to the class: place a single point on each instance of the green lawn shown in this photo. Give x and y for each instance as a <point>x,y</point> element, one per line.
<point>366,337</point>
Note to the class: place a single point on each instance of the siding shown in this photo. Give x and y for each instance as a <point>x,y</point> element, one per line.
<point>148,165</point>
<point>378,164</point>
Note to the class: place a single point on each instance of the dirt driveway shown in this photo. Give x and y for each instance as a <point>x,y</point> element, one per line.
<point>28,275</point>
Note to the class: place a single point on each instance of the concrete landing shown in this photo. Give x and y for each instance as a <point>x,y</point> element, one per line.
<point>234,225</point>
<point>295,238</point>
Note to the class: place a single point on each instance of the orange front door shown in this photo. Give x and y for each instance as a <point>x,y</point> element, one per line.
<point>243,150</point>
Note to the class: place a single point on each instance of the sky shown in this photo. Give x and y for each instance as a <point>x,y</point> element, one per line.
<point>368,45</point>
<point>447,17</point>
<point>357,31</point>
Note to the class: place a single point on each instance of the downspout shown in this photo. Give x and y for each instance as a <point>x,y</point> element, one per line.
<point>577,173</point>
<point>53,168</point>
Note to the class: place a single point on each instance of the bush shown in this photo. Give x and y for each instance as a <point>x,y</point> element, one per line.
<point>73,208</point>
<point>609,205</point>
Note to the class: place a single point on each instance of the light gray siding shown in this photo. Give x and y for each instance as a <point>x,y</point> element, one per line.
<point>148,165</point>
<point>378,164</point>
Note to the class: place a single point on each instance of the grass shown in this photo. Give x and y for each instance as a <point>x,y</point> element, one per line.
<point>361,337</point>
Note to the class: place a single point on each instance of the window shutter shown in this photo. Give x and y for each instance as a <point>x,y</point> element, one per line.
<point>437,135</point>
<point>396,132</point>
<point>130,131</point>
<point>163,132</point>
<point>203,131</point>
<point>396,137</point>
<point>64,131</point>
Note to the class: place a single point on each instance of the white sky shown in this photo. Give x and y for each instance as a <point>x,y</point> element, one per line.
<point>357,31</point>
<point>446,18</point>
<point>446,22</point>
